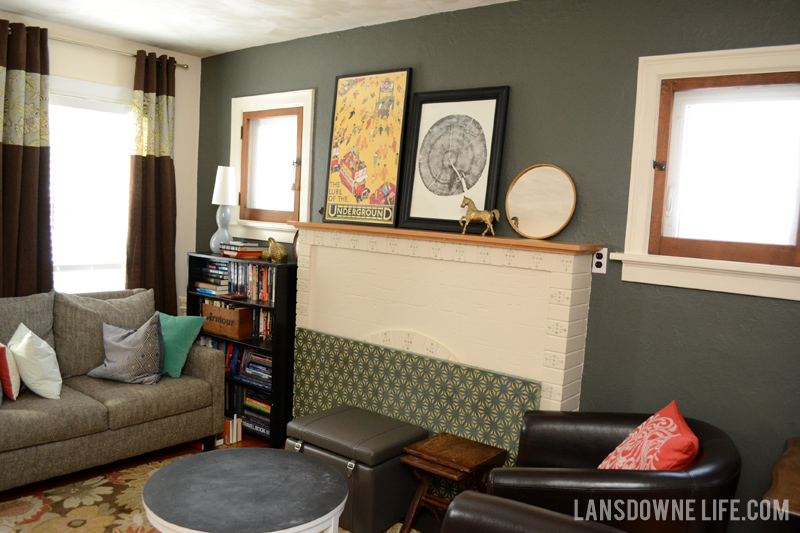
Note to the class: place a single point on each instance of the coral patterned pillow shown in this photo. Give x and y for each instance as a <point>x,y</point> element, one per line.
<point>663,442</point>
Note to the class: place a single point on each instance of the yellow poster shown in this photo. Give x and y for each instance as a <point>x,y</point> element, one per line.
<point>365,154</point>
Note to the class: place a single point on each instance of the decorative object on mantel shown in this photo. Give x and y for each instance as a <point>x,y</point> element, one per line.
<point>224,196</point>
<point>366,143</point>
<point>455,143</point>
<point>474,215</point>
<point>276,253</point>
<point>540,201</point>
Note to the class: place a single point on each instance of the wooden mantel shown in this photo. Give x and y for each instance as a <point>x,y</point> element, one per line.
<point>534,245</point>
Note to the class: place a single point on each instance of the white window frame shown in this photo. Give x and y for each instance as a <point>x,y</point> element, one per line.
<point>253,229</point>
<point>721,276</point>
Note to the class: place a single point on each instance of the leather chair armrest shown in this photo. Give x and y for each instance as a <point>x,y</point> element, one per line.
<point>472,512</point>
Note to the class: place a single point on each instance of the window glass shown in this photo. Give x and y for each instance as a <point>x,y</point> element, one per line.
<point>735,165</point>
<point>90,147</point>
<point>273,149</point>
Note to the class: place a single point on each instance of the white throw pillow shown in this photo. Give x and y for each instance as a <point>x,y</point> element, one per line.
<point>37,363</point>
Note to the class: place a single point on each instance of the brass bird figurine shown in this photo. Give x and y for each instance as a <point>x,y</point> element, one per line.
<point>277,252</point>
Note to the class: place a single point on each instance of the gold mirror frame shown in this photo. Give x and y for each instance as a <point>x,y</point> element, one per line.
<point>553,194</point>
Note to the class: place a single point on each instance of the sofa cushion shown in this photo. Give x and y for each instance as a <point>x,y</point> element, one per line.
<point>36,311</point>
<point>78,326</point>
<point>37,420</point>
<point>132,356</point>
<point>130,404</point>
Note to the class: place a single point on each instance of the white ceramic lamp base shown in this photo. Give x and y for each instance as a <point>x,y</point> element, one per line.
<point>221,235</point>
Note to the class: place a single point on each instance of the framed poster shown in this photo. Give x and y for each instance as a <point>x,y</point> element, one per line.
<point>366,143</point>
<point>455,144</point>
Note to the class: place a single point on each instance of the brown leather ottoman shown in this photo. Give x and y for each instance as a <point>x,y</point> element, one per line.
<point>366,448</point>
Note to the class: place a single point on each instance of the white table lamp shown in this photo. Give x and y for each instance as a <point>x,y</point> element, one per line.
<point>224,196</point>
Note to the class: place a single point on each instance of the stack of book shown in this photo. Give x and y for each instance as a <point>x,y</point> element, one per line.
<point>215,279</point>
<point>232,432</point>
<point>258,367</point>
<point>257,410</point>
<point>242,249</point>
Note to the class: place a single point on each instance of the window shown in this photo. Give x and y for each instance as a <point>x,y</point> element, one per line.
<point>271,152</point>
<point>730,186</point>
<point>695,228</point>
<point>91,136</point>
<point>275,182</point>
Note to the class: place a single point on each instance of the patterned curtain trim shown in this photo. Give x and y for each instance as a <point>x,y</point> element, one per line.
<point>25,108</point>
<point>155,124</point>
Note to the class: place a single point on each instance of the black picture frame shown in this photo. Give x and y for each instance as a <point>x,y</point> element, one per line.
<point>365,157</point>
<point>440,120</point>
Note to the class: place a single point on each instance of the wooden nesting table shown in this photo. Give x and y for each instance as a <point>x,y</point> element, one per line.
<point>451,457</point>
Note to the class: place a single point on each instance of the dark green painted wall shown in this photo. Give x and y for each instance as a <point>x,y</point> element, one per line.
<point>571,65</point>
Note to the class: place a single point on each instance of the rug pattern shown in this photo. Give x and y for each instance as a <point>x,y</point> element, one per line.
<point>109,503</point>
<point>106,503</point>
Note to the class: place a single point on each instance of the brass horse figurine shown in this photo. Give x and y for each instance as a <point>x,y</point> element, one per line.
<point>474,215</point>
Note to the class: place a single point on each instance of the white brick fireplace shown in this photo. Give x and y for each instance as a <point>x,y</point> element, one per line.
<point>514,306</point>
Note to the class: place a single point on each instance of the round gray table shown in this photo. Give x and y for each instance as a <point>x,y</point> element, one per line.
<point>246,490</point>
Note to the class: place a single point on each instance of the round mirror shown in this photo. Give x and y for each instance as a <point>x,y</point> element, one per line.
<point>540,201</point>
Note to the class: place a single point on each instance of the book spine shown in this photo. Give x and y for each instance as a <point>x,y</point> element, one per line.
<point>258,428</point>
<point>252,381</point>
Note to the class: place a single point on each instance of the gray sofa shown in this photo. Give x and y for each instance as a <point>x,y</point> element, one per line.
<point>98,421</point>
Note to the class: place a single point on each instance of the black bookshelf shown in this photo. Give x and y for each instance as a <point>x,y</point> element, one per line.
<point>279,345</point>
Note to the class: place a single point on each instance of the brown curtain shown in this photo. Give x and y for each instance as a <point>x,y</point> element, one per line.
<point>26,250</point>
<point>151,222</point>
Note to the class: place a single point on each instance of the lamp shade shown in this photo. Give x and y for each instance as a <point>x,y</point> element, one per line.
<point>225,187</point>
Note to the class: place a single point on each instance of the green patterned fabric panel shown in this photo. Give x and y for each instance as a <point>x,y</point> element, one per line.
<point>438,395</point>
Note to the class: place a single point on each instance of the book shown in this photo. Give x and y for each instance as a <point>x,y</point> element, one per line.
<point>239,243</point>
<point>242,255</point>
<point>244,247</point>
<point>215,272</point>
<point>208,292</point>
<point>211,286</point>
<point>253,426</point>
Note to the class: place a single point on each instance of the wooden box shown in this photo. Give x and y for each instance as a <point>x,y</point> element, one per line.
<point>231,323</point>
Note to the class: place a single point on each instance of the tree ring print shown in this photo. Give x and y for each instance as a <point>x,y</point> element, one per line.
<point>453,155</point>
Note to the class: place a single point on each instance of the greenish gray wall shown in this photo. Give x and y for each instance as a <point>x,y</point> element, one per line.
<point>572,65</point>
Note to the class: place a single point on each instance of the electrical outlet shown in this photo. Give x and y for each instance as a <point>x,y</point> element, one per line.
<point>600,261</point>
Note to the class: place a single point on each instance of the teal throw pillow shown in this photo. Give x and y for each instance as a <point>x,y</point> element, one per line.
<point>179,334</point>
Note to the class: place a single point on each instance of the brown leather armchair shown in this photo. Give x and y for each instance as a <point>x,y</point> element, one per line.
<point>557,470</point>
<point>473,512</point>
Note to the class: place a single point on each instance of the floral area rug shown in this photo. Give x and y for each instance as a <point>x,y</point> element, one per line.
<point>106,503</point>
<point>110,503</point>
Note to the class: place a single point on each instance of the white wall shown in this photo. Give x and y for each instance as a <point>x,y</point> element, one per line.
<point>98,66</point>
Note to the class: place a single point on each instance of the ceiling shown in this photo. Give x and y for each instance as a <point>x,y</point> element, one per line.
<point>208,27</point>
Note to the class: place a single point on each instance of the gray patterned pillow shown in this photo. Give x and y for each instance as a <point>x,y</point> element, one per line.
<point>132,356</point>
<point>78,326</point>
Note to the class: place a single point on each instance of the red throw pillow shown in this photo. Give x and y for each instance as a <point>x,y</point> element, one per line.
<point>663,442</point>
<point>9,375</point>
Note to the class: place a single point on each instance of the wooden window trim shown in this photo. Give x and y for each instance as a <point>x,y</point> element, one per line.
<point>264,215</point>
<point>704,249</point>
